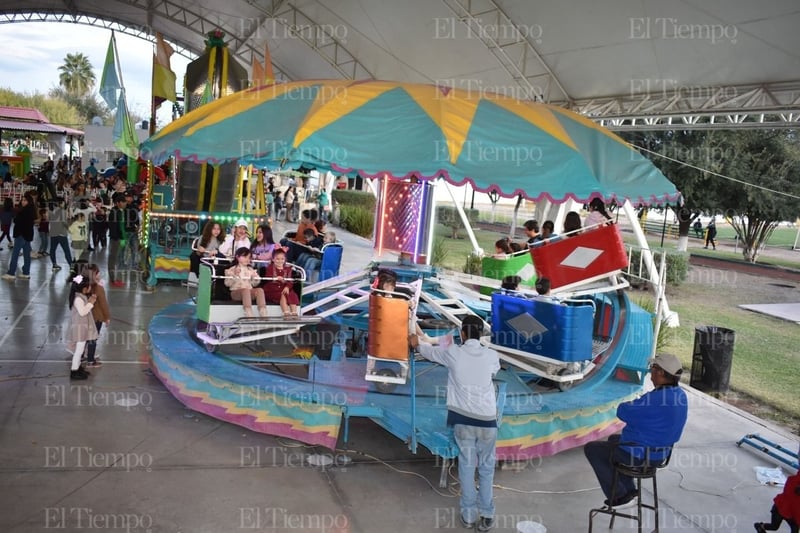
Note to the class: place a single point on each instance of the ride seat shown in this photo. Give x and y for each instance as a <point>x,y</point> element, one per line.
<point>388,327</point>
<point>331,260</point>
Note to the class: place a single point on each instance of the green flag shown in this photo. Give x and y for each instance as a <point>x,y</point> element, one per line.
<point>109,81</point>
<point>124,135</point>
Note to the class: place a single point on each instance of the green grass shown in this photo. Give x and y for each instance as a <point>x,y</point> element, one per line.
<point>781,237</point>
<point>458,249</point>
<point>765,358</point>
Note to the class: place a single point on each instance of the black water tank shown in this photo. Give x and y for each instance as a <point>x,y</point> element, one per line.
<point>712,358</point>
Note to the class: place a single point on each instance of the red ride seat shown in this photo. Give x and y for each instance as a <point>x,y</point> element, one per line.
<point>589,255</point>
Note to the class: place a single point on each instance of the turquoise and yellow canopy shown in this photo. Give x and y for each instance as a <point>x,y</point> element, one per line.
<point>376,128</point>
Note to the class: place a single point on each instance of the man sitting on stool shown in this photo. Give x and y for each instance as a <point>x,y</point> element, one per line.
<point>654,420</point>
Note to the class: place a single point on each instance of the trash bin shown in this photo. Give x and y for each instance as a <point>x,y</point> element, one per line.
<point>712,358</point>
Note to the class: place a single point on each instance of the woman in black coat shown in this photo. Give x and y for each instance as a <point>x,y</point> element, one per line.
<point>24,221</point>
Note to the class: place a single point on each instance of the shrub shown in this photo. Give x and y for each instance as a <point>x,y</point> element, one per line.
<point>448,216</point>
<point>677,268</point>
<point>473,264</point>
<point>356,219</point>
<point>354,198</point>
<point>439,252</point>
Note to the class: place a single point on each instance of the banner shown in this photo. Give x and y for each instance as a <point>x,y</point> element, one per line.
<point>163,77</point>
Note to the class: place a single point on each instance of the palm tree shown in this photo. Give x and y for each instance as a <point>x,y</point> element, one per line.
<point>76,74</point>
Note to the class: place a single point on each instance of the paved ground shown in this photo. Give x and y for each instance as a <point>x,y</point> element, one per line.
<point>118,453</point>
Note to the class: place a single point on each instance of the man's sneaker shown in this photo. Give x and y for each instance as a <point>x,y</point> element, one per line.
<point>465,524</point>
<point>56,268</point>
<point>77,374</point>
<point>83,371</point>
<point>8,277</point>
<point>485,524</point>
<point>624,502</point>
<point>23,276</point>
<point>94,364</point>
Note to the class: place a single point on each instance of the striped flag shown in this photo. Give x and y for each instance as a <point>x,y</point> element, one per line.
<point>109,81</point>
<point>163,77</point>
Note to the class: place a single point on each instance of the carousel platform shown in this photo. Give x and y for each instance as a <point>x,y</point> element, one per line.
<point>121,450</point>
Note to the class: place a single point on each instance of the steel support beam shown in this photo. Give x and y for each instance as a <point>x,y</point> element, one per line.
<point>513,46</point>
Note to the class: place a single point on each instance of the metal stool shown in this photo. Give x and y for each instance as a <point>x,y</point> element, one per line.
<point>645,471</point>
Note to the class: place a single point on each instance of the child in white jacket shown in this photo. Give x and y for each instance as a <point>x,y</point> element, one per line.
<point>243,281</point>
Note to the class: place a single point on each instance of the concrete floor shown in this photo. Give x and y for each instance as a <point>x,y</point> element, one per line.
<point>119,453</point>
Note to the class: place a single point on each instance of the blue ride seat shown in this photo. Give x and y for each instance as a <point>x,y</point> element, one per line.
<point>542,326</point>
<point>331,260</point>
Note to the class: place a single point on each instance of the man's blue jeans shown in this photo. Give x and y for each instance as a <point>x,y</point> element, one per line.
<point>476,446</point>
<point>601,455</point>
<point>20,245</point>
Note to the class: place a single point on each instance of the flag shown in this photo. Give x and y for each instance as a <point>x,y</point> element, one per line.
<point>163,77</point>
<point>258,71</point>
<point>109,81</point>
<point>269,75</point>
<point>123,134</point>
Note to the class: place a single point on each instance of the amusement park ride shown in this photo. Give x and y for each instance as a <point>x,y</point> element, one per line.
<point>568,358</point>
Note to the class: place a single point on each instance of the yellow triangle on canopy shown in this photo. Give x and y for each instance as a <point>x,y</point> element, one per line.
<point>242,102</point>
<point>337,98</point>
<point>449,109</point>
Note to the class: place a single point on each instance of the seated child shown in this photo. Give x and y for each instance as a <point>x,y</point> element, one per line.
<point>312,261</point>
<point>386,286</point>
<point>502,248</point>
<point>279,285</point>
<point>243,281</point>
<point>511,283</point>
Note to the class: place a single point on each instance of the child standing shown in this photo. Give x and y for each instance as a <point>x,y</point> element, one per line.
<point>79,232</point>
<point>279,287</point>
<point>243,281</point>
<point>81,327</point>
<point>100,312</point>
<point>6,217</point>
<point>44,231</point>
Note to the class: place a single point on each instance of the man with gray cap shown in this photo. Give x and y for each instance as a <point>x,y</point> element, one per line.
<point>654,420</point>
<point>472,411</point>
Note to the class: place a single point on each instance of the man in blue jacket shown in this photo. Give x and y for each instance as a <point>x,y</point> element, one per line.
<point>654,420</point>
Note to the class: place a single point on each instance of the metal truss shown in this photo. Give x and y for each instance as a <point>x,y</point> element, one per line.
<point>772,105</point>
<point>179,15</point>
<point>321,38</point>
<point>513,46</point>
<point>118,25</point>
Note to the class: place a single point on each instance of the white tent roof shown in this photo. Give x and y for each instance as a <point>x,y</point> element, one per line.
<point>627,61</point>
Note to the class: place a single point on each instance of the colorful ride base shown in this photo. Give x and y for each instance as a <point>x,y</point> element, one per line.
<point>309,399</point>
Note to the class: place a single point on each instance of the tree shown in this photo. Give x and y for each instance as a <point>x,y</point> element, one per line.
<point>670,151</point>
<point>76,74</point>
<point>766,167</point>
<point>753,158</point>
<point>56,110</point>
<point>87,105</point>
